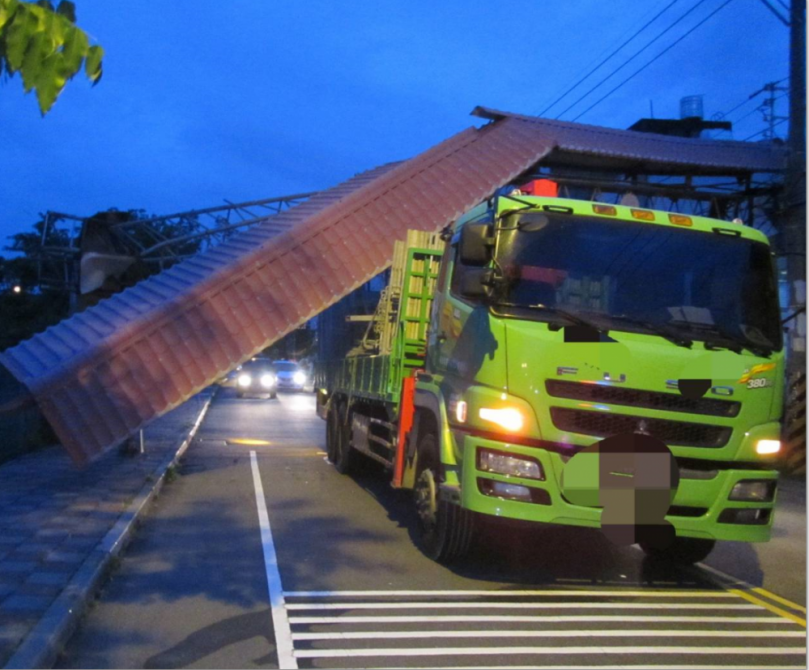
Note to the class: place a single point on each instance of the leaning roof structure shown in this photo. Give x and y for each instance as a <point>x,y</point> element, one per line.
<point>102,374</point>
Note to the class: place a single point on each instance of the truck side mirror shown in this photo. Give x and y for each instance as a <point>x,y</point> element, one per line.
<point>476,283</point>
<point>474,248</point>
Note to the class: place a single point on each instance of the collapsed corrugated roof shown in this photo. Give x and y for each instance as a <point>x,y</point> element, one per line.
<point>102,374</point>
<point>585,145</point>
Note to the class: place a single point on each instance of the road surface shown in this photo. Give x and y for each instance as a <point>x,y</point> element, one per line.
<point>260,554</point>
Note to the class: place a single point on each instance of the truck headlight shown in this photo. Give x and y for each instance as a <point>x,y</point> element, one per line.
<point>510,465</point>
<point>508,418</point>
<point>299,378</point>
<point>762,490</point>
<point>267,381</point>
<point>768,447</point>
<point>245,380</point>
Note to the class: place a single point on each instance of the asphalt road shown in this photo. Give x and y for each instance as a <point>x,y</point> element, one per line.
<point>349,588</point>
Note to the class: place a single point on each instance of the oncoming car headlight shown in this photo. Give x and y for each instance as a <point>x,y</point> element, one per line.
<point>299,378</point>
<point>267,381</point>
<point>244,380</point>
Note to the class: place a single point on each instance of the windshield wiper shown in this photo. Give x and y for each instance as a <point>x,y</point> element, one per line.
<point>570,316</point>
<point>726,340</point>
<point>657,329</point>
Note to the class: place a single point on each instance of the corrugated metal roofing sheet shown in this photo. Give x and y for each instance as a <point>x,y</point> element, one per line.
<point>646,149</point>
<point>102,374</point>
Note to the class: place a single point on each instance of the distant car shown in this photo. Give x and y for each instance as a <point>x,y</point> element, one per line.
<point>256,377</point>
<point>291,377</point>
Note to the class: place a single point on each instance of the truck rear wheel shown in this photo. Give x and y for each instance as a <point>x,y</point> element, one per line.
<point>446,529</point>
<point>343,453</point>
<point>684,551</point>
<point>332,433</point>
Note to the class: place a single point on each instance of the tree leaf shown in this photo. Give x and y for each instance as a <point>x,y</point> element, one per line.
<point>92,64</point>
<point>75,49</point>
<point>19,32</point>
<point>7,9</point>
<point>39,48</point>
<point>50,81</point>
<point>68,10</point>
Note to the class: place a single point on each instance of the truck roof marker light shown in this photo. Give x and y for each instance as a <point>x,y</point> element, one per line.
<point>508,418</point>
<point>608,210</point>
<point>642,214</point>
<point>680,220</point>
<point>766,447</point>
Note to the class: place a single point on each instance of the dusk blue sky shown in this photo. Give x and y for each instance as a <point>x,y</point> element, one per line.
<point>205,101</point>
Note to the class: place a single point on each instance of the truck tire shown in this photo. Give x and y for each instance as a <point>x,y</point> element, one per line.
<point>684,551</point>
<point>344,455</point>
<point>446,530</point>
<point>332,433</point>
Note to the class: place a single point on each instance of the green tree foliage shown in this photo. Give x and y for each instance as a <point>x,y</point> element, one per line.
<point>45,46</point>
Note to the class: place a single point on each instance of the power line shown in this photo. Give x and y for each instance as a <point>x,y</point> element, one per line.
<point>638,32</point>
<point>666,50</point>
<point>756,109</point>
<point>631,58</point>
<point>761,132</point>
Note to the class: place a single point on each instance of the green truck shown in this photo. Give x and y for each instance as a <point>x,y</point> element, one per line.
<point>536,326</point>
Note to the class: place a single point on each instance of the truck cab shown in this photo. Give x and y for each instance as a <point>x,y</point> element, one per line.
<point>557,323</point>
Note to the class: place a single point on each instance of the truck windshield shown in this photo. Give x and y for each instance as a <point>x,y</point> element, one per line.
<point>639,276</point>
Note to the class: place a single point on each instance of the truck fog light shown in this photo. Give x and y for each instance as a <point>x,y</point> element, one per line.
<point>753,491</point>
<point>508,418</point>
<point>244,380</point>
<point>508,491</point>
<point>505,464</point>
<point>747,517</point>
<point>768,446</point>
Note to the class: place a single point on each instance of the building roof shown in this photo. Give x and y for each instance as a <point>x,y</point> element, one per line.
<point>102,374</point>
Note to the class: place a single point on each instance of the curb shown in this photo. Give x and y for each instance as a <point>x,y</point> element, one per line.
<point>43,643</point>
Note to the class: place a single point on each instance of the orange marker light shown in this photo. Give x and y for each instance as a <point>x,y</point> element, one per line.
<point>643,214</point>
<point>680,220</point>
<point>605,209</point>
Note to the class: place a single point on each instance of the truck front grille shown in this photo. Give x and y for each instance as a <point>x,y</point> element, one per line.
<point>618,395</point>
<point>604,424</point>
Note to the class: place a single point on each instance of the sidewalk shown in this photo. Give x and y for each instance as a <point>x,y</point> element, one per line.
<point>60,526</point>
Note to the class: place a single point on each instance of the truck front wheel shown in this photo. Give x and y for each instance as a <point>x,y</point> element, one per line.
<point>684,551</point>
<point>445,529</point>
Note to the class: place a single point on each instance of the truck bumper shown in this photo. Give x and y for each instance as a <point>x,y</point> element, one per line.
<point>695,512</point>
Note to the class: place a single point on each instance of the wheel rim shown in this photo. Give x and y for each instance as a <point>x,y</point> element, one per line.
<point>426,501</point>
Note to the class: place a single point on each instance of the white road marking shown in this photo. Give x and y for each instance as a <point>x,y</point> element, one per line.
<point>430,634</point>
<point>537,605</point>
<point>771,620</point>
<point>280,621</point>
<point>619,667</point>
<point>491,651</point>
<point>512,593</point>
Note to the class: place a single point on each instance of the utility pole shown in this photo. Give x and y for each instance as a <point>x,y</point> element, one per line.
<point>768,108</point>
<point>792,243</point>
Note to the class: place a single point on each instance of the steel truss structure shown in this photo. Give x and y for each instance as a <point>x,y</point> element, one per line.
<point>154,240</point>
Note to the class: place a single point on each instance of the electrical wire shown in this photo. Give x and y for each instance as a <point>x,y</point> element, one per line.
<point>757,109</point>
<point>631,58</point>
<point>666,50</point>
<point>638,32</point>
<point>761,132</point>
